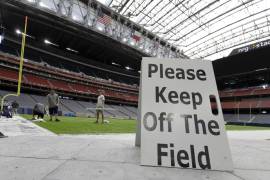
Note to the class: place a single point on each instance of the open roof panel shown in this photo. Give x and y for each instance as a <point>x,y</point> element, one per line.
<point>207,29</point>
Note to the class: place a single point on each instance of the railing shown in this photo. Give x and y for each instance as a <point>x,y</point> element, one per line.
<point>252,91</point>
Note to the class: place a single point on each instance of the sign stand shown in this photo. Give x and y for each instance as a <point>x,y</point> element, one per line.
<point>2,135</point>
<point>138,130</point>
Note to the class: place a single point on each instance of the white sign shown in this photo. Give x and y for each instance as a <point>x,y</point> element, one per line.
<point>178,127</point>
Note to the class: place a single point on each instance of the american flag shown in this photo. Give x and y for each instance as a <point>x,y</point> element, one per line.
<point>104,19</point>
<point>136,35</point>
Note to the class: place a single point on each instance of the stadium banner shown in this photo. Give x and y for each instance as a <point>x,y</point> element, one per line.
<point>251,47</point>
<point>178,126</point>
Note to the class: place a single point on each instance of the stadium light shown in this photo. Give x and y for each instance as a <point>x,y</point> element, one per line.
<point>2,34</point>
<point>75,18</point>
<point>72,50</point>
<point>46,41</point>
<point>113,63</point>
<point>124,39</point>
<point>18,31</point>
<point>132,43</point>
<point>100,28</point>
<point>128,68</point>
<point>1,38</point>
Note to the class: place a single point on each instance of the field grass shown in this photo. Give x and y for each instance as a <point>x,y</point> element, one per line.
<point>240,128</point>
<point>79,125</point>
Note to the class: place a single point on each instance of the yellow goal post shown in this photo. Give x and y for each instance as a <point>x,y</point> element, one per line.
<point>20,68</point>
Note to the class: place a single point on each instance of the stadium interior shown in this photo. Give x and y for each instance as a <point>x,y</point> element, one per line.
<point>134,89</point>
<point>70,53</point>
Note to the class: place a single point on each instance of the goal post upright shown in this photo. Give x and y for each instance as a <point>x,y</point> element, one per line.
<point>22,57</point>
<point>20,67</point>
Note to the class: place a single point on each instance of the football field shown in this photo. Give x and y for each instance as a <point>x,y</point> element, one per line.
<point>80,125</point>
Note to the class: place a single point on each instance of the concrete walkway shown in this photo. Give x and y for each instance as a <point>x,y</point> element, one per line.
<point>114,157</point>
<point>18,126</point>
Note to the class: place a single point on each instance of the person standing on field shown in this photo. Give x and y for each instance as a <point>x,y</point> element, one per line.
<point>100,106</point>
<point>53,104</point>
<point>15,105</point>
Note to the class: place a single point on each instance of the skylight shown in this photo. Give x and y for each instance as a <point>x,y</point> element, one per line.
<point>207,29</point>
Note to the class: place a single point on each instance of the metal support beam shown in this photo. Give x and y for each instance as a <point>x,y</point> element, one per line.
<point>123,6</point>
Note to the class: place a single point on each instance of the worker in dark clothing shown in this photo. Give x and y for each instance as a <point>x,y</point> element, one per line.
<point>39,111</point>
<point>15,106</point>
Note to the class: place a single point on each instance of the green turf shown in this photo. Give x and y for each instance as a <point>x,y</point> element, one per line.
<point>79,125</point>
<point>238,127</point>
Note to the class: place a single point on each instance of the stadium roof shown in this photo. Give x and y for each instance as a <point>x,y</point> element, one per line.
<point>207,29</point>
